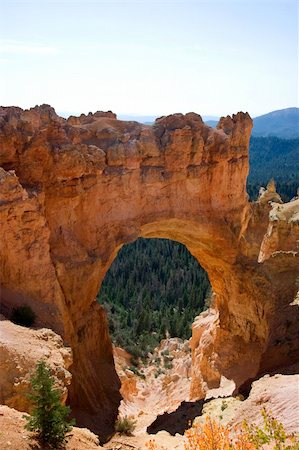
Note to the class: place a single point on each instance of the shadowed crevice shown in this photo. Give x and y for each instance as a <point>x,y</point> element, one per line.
<point>179,420</point>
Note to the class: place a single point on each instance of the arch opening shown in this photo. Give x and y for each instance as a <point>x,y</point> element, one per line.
<point>210,242</point>
<point>152,291</point>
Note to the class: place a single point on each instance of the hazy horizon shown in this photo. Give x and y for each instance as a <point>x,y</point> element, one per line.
<point>125,116</point>
<point>149,58</point>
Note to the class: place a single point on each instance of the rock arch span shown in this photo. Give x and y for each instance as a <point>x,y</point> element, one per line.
<point>72,192</point>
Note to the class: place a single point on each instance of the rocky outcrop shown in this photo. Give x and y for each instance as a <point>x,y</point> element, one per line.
<point>14,437</point>
<point>160,385</point>
<point>283,230</point>
<point>277,394</point>
<point>20,349</point>
<point>276,311</point>
<point>72,192</point>
<point>123,365</point>
<point>269,194</point>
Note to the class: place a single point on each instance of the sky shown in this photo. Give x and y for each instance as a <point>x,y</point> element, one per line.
<point>148,57</point>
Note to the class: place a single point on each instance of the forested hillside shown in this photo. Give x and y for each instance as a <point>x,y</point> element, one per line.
<point>155,287</point>
<point>272,157</point>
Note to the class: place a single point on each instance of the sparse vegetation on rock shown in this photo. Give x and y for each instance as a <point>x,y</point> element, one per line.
<point>213,436</point>
<point>125,425</point>
<point>49,418</point>
<point>272,433</point>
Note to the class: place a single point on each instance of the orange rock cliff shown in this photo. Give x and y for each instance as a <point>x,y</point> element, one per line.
<point>72,192</point>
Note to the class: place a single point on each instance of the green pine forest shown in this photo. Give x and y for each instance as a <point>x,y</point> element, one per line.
<point>155,287</point>
<point>272,157</point>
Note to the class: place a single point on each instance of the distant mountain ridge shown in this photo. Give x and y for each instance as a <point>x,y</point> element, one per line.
<point>283,123</point>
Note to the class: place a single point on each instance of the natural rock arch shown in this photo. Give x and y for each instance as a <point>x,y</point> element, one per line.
<point>84,187</point>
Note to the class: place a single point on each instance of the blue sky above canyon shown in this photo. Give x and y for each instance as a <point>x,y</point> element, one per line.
<point>150,57</point>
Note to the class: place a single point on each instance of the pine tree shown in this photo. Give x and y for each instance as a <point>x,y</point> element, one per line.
<point>49,418</point>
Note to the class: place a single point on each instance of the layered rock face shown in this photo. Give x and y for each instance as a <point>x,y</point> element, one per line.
<point>20,349</point>
<point>72,192</point>
<point>15,437</point>
<point>277,394</point>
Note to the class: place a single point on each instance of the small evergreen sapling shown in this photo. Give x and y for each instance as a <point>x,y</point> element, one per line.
<point>125,425</point>
<point>49,418</point>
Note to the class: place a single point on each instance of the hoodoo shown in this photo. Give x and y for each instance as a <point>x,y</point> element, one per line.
<point>72,192</point>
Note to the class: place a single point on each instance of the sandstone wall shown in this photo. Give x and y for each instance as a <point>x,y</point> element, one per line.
<point>20,350</point>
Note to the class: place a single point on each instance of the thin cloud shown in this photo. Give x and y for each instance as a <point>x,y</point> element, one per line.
<point>25,48</point>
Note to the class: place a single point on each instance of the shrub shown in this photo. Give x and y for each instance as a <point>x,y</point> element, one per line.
<point>213,436</point>
<point>159,372</point>
<point>49,418</point>
<point>137,372</point>
<point>208,436</point>
<point>23,315</point>
<point>125,425</point>
<point>224,405</point>
<point>134,350</point>
<point>168,364</point>
<point>134,361</point>
<point>272,433</point>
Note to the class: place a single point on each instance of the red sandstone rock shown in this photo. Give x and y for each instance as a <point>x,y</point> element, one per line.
<point>20,349</point>
<point>14,437</point>
<point>82,188</point>
<point>277,394</point>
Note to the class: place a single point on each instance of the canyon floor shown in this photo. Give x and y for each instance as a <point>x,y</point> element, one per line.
<point>161,407</point>
<point>155,395</point>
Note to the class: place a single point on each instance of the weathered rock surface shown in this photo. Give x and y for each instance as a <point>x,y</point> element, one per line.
<point>20,349</point>
<point>73,192</point>
<point>161,441</point>
<point>13,436</point>
<point>122,361</point>
<point>278,394</point>
<point>159,386</point>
